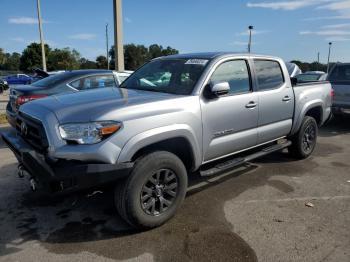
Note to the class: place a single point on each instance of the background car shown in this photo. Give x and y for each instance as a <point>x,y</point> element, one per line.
<point>40,74</point>
<point>340,80</point>
<point>3,85</point>
<point>293,69</point>
<point>311,76</point>
<point>70,81</point>
<point>18,79</point>
<point>122,75</point>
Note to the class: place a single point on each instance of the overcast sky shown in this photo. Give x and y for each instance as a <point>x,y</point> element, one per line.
<point>291,29</point>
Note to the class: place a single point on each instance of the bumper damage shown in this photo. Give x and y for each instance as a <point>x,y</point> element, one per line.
<point>62,176</point>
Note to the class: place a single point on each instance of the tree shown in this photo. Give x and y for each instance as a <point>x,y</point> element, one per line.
<point>87,64</point>
<point>12,62</point>
<point>63,59</point>
<point>136,55</point>
<point>31,57</point>
<point>169,51</point>
<point>2,58</point>
<point>155,51</point>
<point>101,62</point>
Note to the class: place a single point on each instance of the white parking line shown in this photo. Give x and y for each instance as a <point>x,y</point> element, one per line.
<point>326,198</point>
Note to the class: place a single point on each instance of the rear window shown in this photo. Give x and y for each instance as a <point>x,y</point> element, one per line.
<point>340,73</point>
<point>52,80</point>
<point>308,77</point>
<point>269,74</point>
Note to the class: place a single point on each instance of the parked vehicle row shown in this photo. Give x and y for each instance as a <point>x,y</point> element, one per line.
<point>339,77</point>
<point>176,115</point>
<point>3,85</point>
<point>66,82</point>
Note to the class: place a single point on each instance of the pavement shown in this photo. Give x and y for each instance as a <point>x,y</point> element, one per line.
<point>273,209</point>
<point>4,98</point>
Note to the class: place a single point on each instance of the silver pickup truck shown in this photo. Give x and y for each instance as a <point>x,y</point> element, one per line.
<point>175,116</point>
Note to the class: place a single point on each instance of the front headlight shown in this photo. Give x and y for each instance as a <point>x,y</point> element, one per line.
<point>88,133</point>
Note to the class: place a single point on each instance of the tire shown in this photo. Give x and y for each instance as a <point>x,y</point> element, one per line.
<point>147,198</point>
<point>304,141</point>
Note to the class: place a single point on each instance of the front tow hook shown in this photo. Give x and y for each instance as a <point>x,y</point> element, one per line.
<point>21,171</point>
<point>33,185</point>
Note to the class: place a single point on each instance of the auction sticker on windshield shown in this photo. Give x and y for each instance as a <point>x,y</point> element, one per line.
<point>196,62</point>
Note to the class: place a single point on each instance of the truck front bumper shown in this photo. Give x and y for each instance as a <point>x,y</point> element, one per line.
<point>62,176</point>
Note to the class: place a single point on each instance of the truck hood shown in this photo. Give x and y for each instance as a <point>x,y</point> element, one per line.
<point>97,104</point>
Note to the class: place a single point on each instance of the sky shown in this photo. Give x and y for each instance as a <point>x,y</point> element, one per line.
<point>293,30</point>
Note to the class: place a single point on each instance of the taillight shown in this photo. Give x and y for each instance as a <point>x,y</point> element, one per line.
<point>24,99</point>
<point>332,94</point>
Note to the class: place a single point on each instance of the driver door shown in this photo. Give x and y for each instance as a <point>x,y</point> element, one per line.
<point>230,121</point>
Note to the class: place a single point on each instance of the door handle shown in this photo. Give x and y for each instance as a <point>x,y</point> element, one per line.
<point>286,98</point>
<point>251,104</point>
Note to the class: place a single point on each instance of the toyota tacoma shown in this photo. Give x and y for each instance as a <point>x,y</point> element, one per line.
<point>177,115</point>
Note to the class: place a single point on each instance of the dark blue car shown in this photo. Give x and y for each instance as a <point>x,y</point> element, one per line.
<point>19,79</point>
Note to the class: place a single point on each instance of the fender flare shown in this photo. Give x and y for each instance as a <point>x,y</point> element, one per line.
<point>308,106</point>
<point>156,135</point>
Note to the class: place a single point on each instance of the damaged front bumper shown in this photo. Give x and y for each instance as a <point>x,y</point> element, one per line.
<point>62,176</point>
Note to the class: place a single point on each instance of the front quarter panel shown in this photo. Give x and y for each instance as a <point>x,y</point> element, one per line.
<point>160,134</point>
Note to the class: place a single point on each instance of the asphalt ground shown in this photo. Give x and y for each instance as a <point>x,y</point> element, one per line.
<point>258,212</point>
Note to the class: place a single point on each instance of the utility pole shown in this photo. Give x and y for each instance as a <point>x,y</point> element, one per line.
<point>318,60</point>
<point>329,55</point>
<point>250,38</point>
<point>118,35</point>
<point>107,56</point>
<point>41,36</point>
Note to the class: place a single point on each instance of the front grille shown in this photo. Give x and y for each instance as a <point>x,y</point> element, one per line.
<point>32,131</point>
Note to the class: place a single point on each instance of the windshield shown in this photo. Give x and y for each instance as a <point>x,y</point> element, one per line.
<point>52,80</point>
<point>173,76</point>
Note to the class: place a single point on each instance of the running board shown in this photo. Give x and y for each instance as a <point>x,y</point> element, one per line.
<point>229,164</point>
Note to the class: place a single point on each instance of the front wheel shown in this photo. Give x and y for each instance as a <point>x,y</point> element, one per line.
<point>304,141</point>
<point>154,190</point>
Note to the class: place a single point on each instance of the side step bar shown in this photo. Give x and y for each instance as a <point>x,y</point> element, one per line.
<point>229,164</point>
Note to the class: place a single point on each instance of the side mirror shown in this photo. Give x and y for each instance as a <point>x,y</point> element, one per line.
<point>294,81</point>
<point>220,89</point>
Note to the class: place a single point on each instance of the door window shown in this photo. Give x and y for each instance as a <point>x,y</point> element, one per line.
<point>235,73</point>
<point>269,74</point>
<point>92,82</point>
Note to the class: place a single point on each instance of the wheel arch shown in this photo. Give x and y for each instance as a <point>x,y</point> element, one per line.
<point>177,139</point>
<point>313,109</point>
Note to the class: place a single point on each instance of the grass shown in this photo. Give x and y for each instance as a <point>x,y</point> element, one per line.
<point>3,119</point>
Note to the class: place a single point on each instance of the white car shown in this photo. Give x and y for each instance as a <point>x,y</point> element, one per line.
<point>122,75</point>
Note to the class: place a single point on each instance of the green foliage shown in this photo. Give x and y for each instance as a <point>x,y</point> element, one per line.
<point>136,55</point>
<point>63,59</point>
<point>2,57</point>
<point>101,62</point>
<point>10,62</point>
<point>31,57</point>
<point>314,66</point>
<point>87,64</point>
<point>70,59</point>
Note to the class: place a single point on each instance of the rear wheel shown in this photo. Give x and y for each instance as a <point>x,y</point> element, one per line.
<point>154,190</point>
<point>304,141</point>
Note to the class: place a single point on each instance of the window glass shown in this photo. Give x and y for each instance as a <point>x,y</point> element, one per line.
<point>235,73</point>
<point>94,82</point>
<point>340,73</point>
<point>269,74</point>
<point>308,77</point>
<point>173,76</point>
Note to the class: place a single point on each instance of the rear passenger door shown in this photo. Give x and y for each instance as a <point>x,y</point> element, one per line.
<point>276,100</point>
